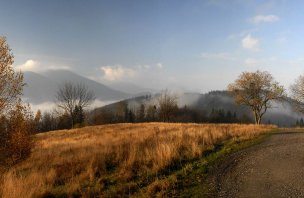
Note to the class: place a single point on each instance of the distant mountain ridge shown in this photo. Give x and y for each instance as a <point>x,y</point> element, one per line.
<point>131,88</point>
<point>42,87</point>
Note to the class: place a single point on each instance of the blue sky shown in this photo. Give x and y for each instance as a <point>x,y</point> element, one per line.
<point>194,45</point>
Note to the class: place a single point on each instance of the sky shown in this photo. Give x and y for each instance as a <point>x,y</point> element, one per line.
<point>193,45</point>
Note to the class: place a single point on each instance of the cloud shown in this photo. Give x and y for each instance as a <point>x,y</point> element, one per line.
<point>260,61</point>
<point>252,62</point>
<point>159,65</point>
<point>29,65</point>
<point>250,43</point>
<point>118,72</point>
<point>220,56</point>
<point>121,73</point>
<point>264,19</point>
<point>242,33</point>
<point>44,107</point>
<point>36,66</point>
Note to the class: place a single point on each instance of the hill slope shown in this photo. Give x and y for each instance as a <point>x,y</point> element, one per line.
<point>117,160</point>
<point>42,87</point>
<point>282,114</point>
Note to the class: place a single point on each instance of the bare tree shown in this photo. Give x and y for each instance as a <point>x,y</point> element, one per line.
<point>70,96</point>
<point>256,90</point>
<point>11,82</point>
<point>167,103</point>
<point>297,94</point>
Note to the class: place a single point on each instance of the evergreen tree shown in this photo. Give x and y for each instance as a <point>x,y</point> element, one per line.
<point>141,113</point>
<point>297,123</point>
<point>131,116</point>
<point>78,115</point>
<point>301,122</point>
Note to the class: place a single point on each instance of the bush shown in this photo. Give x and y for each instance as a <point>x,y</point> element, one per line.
<point>20,127</point>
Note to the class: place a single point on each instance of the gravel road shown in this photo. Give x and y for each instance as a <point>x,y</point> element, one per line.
<point>273,168</point>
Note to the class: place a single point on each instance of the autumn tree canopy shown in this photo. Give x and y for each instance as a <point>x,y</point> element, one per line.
<point>256,90</point>
<point>11,82</point>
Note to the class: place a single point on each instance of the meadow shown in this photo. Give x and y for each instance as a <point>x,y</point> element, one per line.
<point>121,160</point>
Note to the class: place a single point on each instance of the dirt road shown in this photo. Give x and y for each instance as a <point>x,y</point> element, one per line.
<point>274,168</point>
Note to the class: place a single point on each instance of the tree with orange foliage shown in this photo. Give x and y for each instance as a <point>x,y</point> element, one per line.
<point>11,82</point>
<point>20,127</point>
<point>16,121</point>
<point>257,90</point>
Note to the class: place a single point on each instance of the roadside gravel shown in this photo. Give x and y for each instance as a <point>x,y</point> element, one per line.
<point>273,168</point>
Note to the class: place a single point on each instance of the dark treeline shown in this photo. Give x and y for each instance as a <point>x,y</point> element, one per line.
<point>55,120</point>
<point>165,109</point>
<point>151,113</point>
<point>300,123</point>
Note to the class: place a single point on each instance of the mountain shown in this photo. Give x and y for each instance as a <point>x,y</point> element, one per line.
<point>282,114</point>
<point>38,88</point>
<point>42,87</point>
<point>131,88</point>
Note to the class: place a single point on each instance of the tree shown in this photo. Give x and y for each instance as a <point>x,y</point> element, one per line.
<point>121,109</point>
<point>151,113</point>
<point>20,127</point>
<point>63,121</point>
<point>167,103</point>
<point>16,119</point>
<point>11,82</point>
<point>141,113</point>
<point>37,121</point>
<point>297,94</point>
<point>71,95</point>
<point>256,90</point>
<point>78,116</point>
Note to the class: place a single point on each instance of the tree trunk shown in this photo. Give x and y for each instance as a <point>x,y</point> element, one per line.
<point>259,120</point>
<point>257,117</point>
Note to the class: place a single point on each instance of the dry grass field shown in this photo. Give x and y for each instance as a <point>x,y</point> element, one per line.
<point>114,160</point>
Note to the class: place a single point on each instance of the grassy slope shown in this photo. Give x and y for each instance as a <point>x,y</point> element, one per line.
<point>140,160</point>
<point>191,180</point>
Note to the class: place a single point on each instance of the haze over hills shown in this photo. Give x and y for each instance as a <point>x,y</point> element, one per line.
<point>281,114</point>
<point>131,88</point>
<point>42,87</point>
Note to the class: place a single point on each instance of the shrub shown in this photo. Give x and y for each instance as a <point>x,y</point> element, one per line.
<point>19,127</point>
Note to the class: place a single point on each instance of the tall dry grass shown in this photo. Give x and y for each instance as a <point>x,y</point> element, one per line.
<point>104,160</point>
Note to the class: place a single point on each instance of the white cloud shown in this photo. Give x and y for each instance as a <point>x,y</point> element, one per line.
<point>252,61</point>
<point>260,61</point>
<point>118,72</point>
<point>250,43</point>
<point>144,75</point>
<point>221,55</point>
<point>121,73</point>
<point>36,66</point>
<point>159,65</point>
<point>44,107</point>
<point>264,19</point>
<point>29,65</point>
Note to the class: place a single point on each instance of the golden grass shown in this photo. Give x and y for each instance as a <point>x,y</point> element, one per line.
<point>100,160</point>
